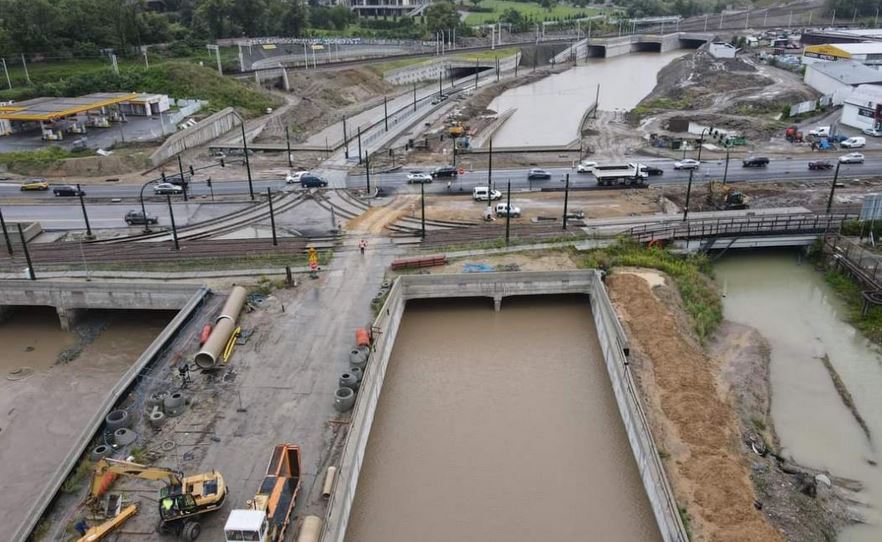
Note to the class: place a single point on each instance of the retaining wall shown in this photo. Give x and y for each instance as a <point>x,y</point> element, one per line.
<point>613,341</point>
<point>210,128</point>
<point>431,69</point>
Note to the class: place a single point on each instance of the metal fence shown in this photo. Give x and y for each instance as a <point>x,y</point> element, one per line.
<point>740,227</point>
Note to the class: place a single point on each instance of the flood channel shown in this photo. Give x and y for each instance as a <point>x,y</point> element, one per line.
<point>499,426</point>
<point>548,111</point>
<point>789,302</point>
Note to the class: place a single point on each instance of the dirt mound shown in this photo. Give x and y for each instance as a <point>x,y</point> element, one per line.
<point>696,428</point>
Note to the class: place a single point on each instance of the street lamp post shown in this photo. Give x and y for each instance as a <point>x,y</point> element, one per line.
<point>833,187</point>
<point>726,170</point>
<point>688,194</point>
<point>247,161</point>
<point>701,142</point>
<point>171,216</point>
<point>6,234</point>
<point>85,214</point>
<point>566,201</point>
<point>143,209</point>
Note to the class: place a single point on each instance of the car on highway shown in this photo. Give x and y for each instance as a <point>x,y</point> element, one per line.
<point>68,190</point>
<point>502,209</point>
<point>35,184</point>
<point>872,132</point>
<point>852,158</point>
<point>177,179</point>
<point>438,99</point>
<point>312,181</point>
<point>538,174</point>
<point>586,166</point>
<point>687,163</point>
<point>137,217</point>
<point>755,161</point>
<point>480,194</point>
<point>167,188</point>
<point>418,177</point>
<point>444,171</point>
<point>820,164</point>
<point>652,171</point>
<point>293,177</point>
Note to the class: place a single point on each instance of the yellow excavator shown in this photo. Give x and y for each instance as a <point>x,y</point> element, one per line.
<point>181,501</point>
<point>723,197</point>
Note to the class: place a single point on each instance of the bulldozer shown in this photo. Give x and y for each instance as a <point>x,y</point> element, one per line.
<point>181,501</point>
<point>723,197</point>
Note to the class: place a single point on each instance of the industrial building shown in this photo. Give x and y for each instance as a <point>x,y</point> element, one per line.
<point>863,108</point>
<point>385,8</point>
<point>868,54</point>
<point>839,79</point>
<point>836,35</point>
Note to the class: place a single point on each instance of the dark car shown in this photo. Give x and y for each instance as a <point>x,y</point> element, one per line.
<point>137,217</point>
<point>311,181</point>
<point>68,190</point>
<point>820,164</point>
<point>652,171</point>
<point>536,173</point>
<point>177,179</point>
<point>755,161</point>
<point>444,171</point>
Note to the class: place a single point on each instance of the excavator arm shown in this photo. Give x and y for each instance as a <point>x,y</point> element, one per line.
<point>106,471</point>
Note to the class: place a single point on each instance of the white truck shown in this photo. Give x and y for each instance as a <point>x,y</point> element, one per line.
<point>502,209</point>
<point>620,174</point>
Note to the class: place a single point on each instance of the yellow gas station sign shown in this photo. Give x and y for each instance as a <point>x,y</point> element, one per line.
<point>826,52</point>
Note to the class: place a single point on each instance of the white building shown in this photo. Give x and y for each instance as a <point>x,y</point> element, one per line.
<point>721,49</point>
<point>863,108</point>
<point>868,54</point>
<point>146,105</point>
<point>839,79</point>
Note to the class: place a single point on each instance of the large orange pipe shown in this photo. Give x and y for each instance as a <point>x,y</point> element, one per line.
<point>223,329</point>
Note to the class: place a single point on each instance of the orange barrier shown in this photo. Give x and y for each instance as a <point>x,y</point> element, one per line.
<point>412,263</point>
<point>361,337</point>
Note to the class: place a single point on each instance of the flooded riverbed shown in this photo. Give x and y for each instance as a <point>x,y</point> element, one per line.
<point>499,426</point>
<point>548,111</point>
<point>801,317</point>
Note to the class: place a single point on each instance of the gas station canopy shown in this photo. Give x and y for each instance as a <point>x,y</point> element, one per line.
<point>48,109</point>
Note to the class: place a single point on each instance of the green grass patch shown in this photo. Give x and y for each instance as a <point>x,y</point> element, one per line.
<point>45,157</point>
<point>691,275</point>
<point>529,10</point>
<point>662,104</point>
<point>384,67</point>
<point>488,55</point>
<point>81,474</point>
<point>870,324</point>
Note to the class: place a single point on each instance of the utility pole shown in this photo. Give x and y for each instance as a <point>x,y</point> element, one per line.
<point>288,143</point>
<point>497,69</point>
<point>508,212</point>
<point>359,145</point>
<point>490,173</point>
<point>367,170</point>
<point>184,181</point>
<point>24,245</point>
<point>476,73</point>
<point>6,234</point>
<point>440,89</point>
<point>726,170</point>
<point>85,215</point>
<point>597,100</point>
<point>386,113</point>
<point>345,140</point>
<point>423,210</point>
<point>688,194</point>
<point>414,96</point>
<point>269,199</point>
<point>247,161</point>
<point>171,214</point>
<point>9,81</point>
<point>566,200</point>
<point>833,187</point>
<point>25,65</point>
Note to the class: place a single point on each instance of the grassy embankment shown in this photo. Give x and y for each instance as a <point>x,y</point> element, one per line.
<point>691,276</point>
<point>529,10</point>
<point>870,324</point>
<point>383,67</point>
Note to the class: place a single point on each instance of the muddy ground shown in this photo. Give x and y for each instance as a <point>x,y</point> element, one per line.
<point>706,407</point>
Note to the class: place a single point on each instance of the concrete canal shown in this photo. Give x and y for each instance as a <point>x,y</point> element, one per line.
<point>499,426</point>
<point>548,111</point>
<point>802,319</point>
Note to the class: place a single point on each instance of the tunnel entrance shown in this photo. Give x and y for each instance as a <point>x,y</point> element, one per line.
<point>646,47</point>
<point>596,51</point>
<point>691,44</point>
<point>458,73</point>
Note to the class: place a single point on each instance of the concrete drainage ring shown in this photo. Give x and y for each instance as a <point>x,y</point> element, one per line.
<point>156,399</point>
<point>344,399</point>
<point>124,437</point>
<point>157,418</point>
<point>357,373</point>
<point>348,380</point>
<point>358,357</point>
<point>99,452</point>
<point>174,400</point>
<point>116,419</point>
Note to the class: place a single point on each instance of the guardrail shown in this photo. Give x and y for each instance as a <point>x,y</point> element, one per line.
<point>743,226</point>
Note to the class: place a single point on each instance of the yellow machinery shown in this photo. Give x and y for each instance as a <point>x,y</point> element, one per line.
<point>181,500</point>
<point>723,197</point>
<point>98,532</point>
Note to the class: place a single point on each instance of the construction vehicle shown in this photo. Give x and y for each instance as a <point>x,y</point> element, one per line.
<point>457,129</point>
<point>630,174</point>
<point>724,198</point>
<point>181,501</point>
<point>98,532</point>
<point>268,514</point>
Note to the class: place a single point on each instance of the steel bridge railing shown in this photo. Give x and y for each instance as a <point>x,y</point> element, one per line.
<point>741,226</point>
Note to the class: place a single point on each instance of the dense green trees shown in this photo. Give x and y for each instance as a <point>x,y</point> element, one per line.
<point>442,16</point>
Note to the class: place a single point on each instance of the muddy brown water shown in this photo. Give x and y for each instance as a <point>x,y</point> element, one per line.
<point>803,319</point>
<point>499,426</point>
<point>548,111</point>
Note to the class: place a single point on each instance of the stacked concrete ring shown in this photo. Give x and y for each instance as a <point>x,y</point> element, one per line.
<point>124,437</point>
<point>348,380</point>
<point>100,451</point>
<point>344,399</point>
<point>116,419</point>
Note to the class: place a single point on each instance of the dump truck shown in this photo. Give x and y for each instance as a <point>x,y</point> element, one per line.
<point>619,174</point>
<point>267,515</point>
<point>182,500</point>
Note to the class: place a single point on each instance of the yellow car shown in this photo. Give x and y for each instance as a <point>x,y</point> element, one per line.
<point>35,185</point>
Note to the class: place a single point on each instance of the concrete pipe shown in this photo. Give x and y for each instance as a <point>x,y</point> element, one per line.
<point>348,380</point>
<point>329,481</point>
<point>358,357</point>
<point>357,373</point>
<point>156,399</point>
<point>116,419</point>
<point>124,437</point>
<point>157,418</point>
<point>174,400</point>
<point>223,328</point>
<point>176,411</point>
<point>99,452</point>
<point>344,399</point>
<point>312,527</point>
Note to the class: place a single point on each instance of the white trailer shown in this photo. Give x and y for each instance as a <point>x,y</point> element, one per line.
<point>619,174</point>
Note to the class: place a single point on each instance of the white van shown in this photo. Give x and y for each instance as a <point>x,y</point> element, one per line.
<point>853,143</point>
<point>480,193</point>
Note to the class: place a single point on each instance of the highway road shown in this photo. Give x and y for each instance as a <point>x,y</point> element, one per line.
<point>795,169</point>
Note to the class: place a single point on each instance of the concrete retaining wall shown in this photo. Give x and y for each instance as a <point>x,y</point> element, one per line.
<point>614,344</point>
<point>431,69</point>
<point>84,295</point>
<point>122,387</point>
<point>210,128</point>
